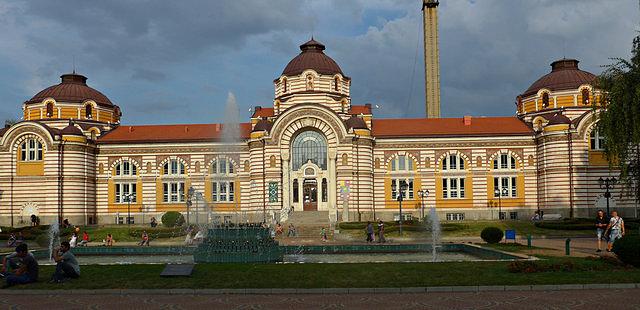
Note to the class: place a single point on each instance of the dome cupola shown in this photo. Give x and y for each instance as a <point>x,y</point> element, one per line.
<point>564,75</point>
<point>72,89</point>
<point>312,57</point>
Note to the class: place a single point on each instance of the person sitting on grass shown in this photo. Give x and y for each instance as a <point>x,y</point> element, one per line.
<point>109,241</point>
<point>12,240</point>
<point>85,239</point>
<point>145,239</point>
<point>25,267</point>
<point>67,266</point>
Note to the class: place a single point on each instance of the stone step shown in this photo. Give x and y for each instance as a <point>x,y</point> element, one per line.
<point>309,217</point>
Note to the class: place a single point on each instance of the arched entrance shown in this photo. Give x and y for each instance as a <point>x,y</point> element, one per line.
<point>309,170</point>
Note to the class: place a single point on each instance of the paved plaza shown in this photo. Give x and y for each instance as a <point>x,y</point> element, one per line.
<point>562,299</point>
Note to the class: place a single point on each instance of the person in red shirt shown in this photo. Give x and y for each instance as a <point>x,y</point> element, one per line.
<point>85,239</point>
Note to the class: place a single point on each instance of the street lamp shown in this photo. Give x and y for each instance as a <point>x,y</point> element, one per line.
<point>403,187</point>
<point>127,198</point>
<point>607,184</point>
<point>499,194</point>
<point>423,193</point>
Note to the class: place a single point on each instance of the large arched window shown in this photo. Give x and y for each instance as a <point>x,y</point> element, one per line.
<point>311,146</point>
<point>49,109</point>
<point>174,184</point>
<point>222,182</point>
<point>453,176</point>
<point>504,161</point>
<point>31,150</point>
<point>88,111</point>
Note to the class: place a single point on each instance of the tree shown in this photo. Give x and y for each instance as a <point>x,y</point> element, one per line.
<point>619,122</point>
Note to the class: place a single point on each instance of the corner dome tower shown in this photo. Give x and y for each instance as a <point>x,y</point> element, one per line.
<point>73,99</point>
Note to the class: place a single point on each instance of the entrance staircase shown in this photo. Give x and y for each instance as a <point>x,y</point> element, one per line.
<point>308,225</point>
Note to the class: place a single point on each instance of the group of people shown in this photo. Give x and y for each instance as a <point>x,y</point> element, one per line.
<point>198,238</point>
<point>291,231</point>
<point>73,241</point>
<point>371,235</point>
<point>21,267</point>
<point>608,229</point>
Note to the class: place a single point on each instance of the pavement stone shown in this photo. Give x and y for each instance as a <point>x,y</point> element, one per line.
<point>517,288</point>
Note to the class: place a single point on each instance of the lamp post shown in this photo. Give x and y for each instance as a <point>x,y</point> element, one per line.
<point>607,184</point>
<point>127,198</point>
<point>400,198</point>
<point>500,194</point>
<point>423,193</point>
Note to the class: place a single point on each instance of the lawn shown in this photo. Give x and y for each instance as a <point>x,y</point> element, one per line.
<point>340,275</point>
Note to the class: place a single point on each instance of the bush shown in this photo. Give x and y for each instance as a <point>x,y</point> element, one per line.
<point>172,219</point>
<point>628,249</point>
<point>492,234</point>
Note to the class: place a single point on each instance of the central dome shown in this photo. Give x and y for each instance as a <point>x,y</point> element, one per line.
<point>564,74</point>
<point>312,57</point>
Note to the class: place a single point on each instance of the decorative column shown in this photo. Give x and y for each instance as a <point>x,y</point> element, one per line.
<point>331,183</point>
<point>319,190</point>
<point>300,206</point>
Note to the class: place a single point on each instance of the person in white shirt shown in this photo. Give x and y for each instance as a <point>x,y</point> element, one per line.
<point>615,229</point>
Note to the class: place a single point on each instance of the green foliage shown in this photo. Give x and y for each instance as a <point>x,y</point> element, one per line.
<point>42,240</point>
<point>159,232</point>
<point>628,249</point>
<point>172,219</point>
<point>492,234</point>
<point>620,122</point>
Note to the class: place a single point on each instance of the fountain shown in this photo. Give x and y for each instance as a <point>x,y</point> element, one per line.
<point>246,244</point>
<point>435,232</point>
<point>54,237</point>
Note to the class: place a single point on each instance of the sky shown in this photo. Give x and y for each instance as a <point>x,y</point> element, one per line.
<point>167,62</point>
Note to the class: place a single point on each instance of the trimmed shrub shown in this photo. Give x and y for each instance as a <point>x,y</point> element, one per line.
<point>628,250</point>
<point>42,240</point>
<point>172,219</point>
<point>492,234</point>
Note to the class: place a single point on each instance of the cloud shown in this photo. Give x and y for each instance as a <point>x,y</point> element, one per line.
<point>183,57</point>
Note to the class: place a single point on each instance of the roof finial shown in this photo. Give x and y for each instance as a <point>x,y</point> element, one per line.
<point>74,63</point>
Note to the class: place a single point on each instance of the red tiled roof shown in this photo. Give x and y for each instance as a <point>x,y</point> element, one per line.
<point>449,127</point>
<point>262,112</point>
<point>360,109</point>
<point>170,133</point>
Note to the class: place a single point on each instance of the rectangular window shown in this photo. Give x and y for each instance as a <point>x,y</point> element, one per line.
<point>181,191</point>
<point>394,189</point>
<point>23,152</point>
<point>214,191</point>
<point>410,188</point>
<point>502,215</point>
<point>295,190</point>
<point>174,167</point>
<point>393,165</point>
<point>223,191</point>
<point>174,192</point>
<point>122,190</point>
<point>508,183</point>
<point>453,188</point>
<point>401,163</point>
<point>223,166</point>
<point>513,215</point>
<point>39,151</point>
<point>455,216</point>
<point>496,185</point>
<point>514,187</point>
<point>495,164</point>
<point>231,192</point>
<point>32,149</point>
<point>503,161</point>
<point>444,164</point>
<point>445,189</point>
<point>410,163</point>
<point>165,192</point>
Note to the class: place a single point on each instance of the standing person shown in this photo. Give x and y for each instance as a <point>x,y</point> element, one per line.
<point>292,231</point>
<point>601,226</point>
<point>381,238</point>
<point>74,240</point>
<point>33,220</point>
<point>66,264</point>
<point>12,240</point>
<point>369,232</point>
<point>153,222</point>
<point>26,267</point>
<point>323,234</point>
<point>615,229</point>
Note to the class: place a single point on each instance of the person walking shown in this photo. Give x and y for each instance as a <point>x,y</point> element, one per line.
<point>323,234</point>
<point>615,229</point>
<point>381,238</point>
<point>601,227</point>
<point>369,232</point>
<point>67,266</point>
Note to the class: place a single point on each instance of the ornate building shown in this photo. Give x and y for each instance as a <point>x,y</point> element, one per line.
<point>311,152</point>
